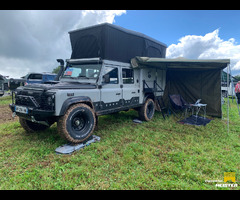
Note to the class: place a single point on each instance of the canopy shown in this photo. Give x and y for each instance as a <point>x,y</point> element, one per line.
<point>192,79</point>
<point>180,63</point>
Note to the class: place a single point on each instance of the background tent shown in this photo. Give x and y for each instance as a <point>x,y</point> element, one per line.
<point>192,79</point>
<point>112,42</point>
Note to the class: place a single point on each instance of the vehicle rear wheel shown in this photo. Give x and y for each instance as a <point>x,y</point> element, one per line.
<point>77,124</point>
<point>31,126</point>
<point>146,112</point>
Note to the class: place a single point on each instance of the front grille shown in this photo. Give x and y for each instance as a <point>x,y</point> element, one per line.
<point>26,101</point>
<point>34,99</point>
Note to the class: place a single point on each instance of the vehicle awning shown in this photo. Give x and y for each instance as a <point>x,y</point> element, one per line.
<point>192,79</point>
<point>179,63</point>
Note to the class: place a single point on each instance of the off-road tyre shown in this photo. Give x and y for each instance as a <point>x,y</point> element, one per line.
<point>77,124</point>
<point>147,110</point>
<point>31,127</point>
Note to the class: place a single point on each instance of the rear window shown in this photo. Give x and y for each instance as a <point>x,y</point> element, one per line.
<point>127,75</point>
<point>35,76</point>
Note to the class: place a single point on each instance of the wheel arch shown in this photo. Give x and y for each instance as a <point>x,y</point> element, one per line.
<point>147,96</point>
<point>74,100</point>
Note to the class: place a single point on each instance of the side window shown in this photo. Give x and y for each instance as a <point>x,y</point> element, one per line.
<point>112,74</point>
<point>35,76</point>
<point>127,75</point>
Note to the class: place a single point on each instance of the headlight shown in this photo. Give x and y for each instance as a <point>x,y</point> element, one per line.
<point>50,99</point>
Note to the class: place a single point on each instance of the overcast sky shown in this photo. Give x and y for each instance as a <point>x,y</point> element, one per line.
<point>31,41</point>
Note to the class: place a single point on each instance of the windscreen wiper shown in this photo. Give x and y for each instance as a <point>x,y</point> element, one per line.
<point>83,77</point>
<point>71,77</point>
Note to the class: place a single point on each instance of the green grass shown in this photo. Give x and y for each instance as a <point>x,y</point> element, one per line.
<point>5,100</point>
<point>157,155</point>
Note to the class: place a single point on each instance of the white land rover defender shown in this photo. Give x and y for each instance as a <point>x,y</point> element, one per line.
<point>98,79</point>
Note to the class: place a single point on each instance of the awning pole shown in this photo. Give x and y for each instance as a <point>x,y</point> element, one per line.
<point>228,98</point>
<point>223,97</point>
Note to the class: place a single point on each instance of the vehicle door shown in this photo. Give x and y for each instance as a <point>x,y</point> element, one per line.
<point>111,91</point>
<point>161,81</point>
<point>130,87</point>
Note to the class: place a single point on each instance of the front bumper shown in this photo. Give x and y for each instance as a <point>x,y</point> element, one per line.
<point>34,113</point>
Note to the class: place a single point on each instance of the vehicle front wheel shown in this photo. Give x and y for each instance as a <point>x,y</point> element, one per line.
<point>77,124</point>
<point>146,112</point>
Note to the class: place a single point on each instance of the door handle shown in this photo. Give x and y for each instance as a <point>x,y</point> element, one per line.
<point>118,93</point>
<point>133,92</point>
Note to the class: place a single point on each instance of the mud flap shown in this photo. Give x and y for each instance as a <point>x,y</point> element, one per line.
<point>70,148</point>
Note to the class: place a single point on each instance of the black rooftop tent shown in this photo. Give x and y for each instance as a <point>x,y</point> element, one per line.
<point>112,42</point>
<point>192,79</point>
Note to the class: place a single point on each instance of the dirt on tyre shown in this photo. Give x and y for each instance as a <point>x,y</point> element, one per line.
<point>77,124</point>
<point>30,126</point>
<point>146,112</point>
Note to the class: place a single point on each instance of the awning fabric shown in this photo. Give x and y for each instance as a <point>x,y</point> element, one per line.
<point>180,63</point>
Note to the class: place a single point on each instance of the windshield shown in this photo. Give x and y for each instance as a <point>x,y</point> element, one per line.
<point>79,71</point>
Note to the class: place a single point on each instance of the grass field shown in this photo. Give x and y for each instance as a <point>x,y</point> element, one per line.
<point>5,100</point>
<point>157,155</point>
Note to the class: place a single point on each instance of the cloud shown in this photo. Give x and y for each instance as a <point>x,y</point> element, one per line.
<point>99,16</point>
<point>209,46</point>
<point>32,40</point>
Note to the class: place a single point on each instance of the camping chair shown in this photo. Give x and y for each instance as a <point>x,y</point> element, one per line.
<point>178,105</point>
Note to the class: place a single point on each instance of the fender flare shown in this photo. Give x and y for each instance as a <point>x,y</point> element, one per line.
<point>148,95</point>
<point>73,100</point>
